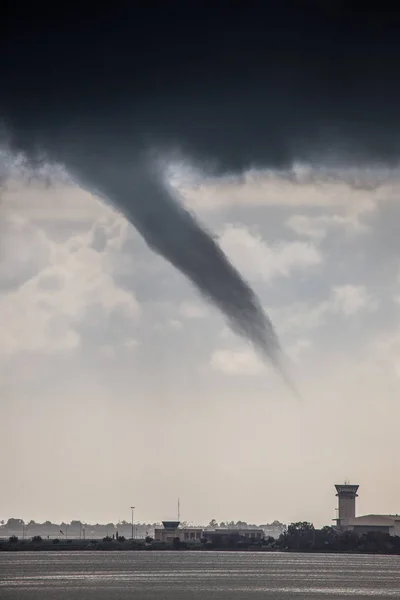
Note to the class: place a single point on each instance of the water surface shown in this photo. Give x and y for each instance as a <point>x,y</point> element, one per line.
<point>195,575</point>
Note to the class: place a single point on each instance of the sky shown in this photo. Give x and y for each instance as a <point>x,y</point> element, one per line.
<point>119,384</point>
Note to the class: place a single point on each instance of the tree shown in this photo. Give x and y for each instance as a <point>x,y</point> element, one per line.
<point>269,542</point>
<point>349,540</point>
<point>36,539</point>
<point>241,524</point>
<point>14,523</point>
<point>176,543</point>
<point>13,539</point>
<point>75,524</point>
<point>56,541</point>
<point>148,539</point>
<point>213,523</point>
<point>303,537</point>
<point>300,527</point>
<point>108,539</point>
<point>377,541</point>
<point>121,538</point>
<point>300,536</point>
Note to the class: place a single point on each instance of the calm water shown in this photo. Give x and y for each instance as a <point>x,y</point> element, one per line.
<point>195,575</point>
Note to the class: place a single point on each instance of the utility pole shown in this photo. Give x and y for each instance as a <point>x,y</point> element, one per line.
<point>132,509</point>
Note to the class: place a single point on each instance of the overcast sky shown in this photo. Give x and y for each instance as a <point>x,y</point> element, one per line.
<point>120,386</point>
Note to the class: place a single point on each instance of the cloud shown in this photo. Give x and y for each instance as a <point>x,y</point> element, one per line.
<point>298,317</point>
<point>237,362</point>
<point>258,260</point>
<point>55,202</point>
<point>353,190</point>
<point>318,227</point>
<point>244,361</point>
<point>346,300</point>
<point>192,310</point>
<point>24,250</point>
<point>385,351</point>
<point>296,350</point>
<point>294,322</point>
<point>46,195</point>
<point>168,325</point>
<point>56,293</point>
<point>350,299</point>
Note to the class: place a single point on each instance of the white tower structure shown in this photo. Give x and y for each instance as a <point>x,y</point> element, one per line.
<point>347,494</point>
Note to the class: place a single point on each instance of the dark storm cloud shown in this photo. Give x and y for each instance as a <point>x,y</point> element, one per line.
<point>231,90</point>
<point>236,88</point>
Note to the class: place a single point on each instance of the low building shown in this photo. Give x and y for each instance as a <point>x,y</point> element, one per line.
<point>171,530</point>
<point>382,523</point>
<point>224,533</point>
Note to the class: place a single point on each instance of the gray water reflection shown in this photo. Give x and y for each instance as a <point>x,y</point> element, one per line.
<point>195,575</point>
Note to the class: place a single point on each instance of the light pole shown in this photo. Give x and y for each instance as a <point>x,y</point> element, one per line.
<point>132,509</point>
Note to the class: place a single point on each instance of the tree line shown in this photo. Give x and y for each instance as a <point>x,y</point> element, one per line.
<point>297,537</point>
<point>304,537</point>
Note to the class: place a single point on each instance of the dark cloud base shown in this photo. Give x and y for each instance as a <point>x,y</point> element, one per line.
<point>230,88</point>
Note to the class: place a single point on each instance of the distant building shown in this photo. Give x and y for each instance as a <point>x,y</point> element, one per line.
<point>171,530</point>
<point>347,494</point>
<point>347,521</point>
<point>223,533</point>
<point>273,530</point>
<point>383,523</point>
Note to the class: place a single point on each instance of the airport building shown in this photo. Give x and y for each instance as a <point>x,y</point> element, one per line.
<point>221,534</point>
<point>171,530</point>
<point>347,520</point>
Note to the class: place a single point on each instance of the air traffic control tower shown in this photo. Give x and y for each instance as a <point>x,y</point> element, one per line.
<point>347,494</point>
